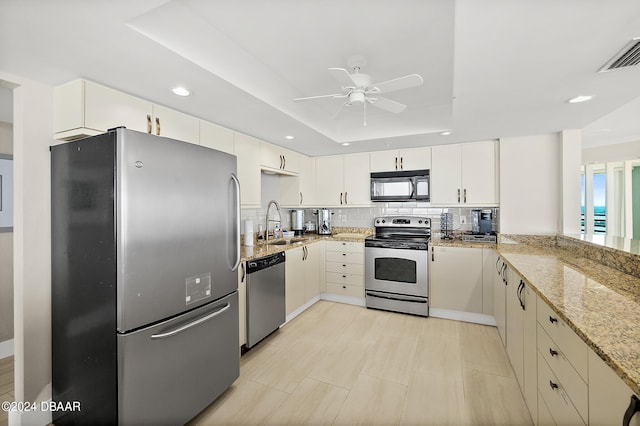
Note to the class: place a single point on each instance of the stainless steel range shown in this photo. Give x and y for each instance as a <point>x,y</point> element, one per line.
<point>396,260</point>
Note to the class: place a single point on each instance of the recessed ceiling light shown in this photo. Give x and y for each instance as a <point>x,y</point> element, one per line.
<point>289,137</point>
<point>345,144</point>
<point>581,98</point>
<point>447,133</point>
<point>181,91</point>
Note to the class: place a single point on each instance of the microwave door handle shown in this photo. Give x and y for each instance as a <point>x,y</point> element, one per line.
<point>413,189</point>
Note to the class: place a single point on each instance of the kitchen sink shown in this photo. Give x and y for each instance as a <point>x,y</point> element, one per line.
<point>285,242</point>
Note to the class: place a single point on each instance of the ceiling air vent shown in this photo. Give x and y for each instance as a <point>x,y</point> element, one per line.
<point>627,57</point>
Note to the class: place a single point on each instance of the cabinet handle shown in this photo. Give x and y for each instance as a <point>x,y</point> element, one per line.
<point>553,385</point>
<point>432,256</point>
<point>634,407</point>
<point>243,273</point>
<point>301,198</point>
<point>284,161</point>
<point>520,296</point>
<point>345,197</point>
<point>465,195</point>
<point>552,319</point>
<point>158,126</point>
<point>458,194</point>
<point>280,162</point>
<point>149,124</point>
<point>552,352</point>
<point>401,163</point>
<point>396,163</point>
<point>341,198</point>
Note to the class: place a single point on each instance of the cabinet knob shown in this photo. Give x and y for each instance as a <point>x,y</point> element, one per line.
<point>344,286</point>
<point>552,319</point>
<point>553,385</point>
<point>344,276</point>
<point>552,352</point>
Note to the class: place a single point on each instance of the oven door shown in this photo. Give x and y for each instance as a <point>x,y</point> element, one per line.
<point>400,271</point>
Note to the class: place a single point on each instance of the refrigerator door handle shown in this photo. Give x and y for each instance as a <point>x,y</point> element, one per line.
<point>237,237</point>
<point>191,324</point>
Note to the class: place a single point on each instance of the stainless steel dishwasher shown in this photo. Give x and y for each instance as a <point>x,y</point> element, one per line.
<point>265,296</point>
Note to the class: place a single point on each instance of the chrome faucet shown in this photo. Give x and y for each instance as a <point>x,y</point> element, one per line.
<point>266,233</point>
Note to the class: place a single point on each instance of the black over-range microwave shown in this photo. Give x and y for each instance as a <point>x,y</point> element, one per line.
<point>407,185</point>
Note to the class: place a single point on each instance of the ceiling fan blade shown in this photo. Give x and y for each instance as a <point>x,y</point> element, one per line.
<point>343,77</point>
<point>387,104</point>
<point>335,95</point>
<point>405,82</point>
<point>340,110</point>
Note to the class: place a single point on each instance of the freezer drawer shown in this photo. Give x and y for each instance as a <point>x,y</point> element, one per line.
<point>170,372</point>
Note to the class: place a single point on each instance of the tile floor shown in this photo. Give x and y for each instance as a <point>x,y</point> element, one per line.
<point>341,364</point>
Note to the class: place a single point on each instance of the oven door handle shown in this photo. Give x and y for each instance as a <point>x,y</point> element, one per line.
<point>400,299</point>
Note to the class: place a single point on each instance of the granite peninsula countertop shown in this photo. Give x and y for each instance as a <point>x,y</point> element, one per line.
<point>600,303</point>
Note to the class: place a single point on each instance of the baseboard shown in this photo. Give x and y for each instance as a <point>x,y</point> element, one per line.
<point>301,309</point>
<point>349,300</point>
<point>39,414</point>
<point>462,316</point>
<point>6,348</point>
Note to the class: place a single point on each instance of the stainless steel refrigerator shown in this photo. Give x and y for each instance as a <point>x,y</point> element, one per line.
<point>145,245</point>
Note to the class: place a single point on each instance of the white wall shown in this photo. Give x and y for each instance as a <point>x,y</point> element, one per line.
<point>33,130</point>
<point>530,184</point>
<point>571,161</point>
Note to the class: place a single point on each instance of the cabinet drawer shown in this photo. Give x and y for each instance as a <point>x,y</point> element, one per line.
<point>348,246</point>
<point>349,279</point>
<point>571,345</point>
<point>544,416</point>
<point>573,384</point>
<point>556,398</point>
<point>345,290</point>
<point>344,267</point>
<point>345,257</point>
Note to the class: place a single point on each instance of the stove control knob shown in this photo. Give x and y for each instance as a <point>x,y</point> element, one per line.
<point>420,221</point>
<point>377,220</point>
<point>384,221</point>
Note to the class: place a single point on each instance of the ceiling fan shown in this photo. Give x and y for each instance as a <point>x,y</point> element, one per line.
<point>357,88</point>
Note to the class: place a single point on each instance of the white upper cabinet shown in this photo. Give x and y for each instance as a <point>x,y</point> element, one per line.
<point>175,125</point>
<point>464,174</point>
<point>278,159</point>
<point>398,160</point>
<point>343,180</point>
<point>83,108</point>
<point>299,190</point>
<point>216,137</point>
<point>247,149</point>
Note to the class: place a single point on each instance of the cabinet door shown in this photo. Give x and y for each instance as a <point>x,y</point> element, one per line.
<point>530,362</point>
<point>176,125</point>
<point>307,181</point>
<point>270,156</point>
<point>312,272</point>
<point>499,298</point>
<point>291,160</point>
<point>415,158</point>
<point>107,108</point>
<point>456,279</point>
<point>384,161</point>
<point>329,180</point>
<point>242,303</point>
<point>446,172</point>
<point>515,327</point>
<point>216,137</point>
<point>609,396</point>
<point>479,173</point>
<point>357,181</point>
<point>247,149</point>
<point>294,280</point>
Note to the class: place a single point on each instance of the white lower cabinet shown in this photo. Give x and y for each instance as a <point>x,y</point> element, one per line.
<point>344,268</point>
<point>457,279</point>
<point>609,397</point>
<point>302,276</point>
<point>500,297</point>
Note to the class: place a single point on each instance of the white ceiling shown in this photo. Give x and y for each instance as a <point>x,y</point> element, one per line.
<point>492,68</point>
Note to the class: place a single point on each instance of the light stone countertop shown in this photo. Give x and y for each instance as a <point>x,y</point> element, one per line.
<point>600,303</point>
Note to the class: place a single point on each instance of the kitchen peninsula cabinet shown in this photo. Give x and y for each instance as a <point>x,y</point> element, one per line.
<point>247,149</point>
<point>343,180</point>
<point>398,160</point>
<point>464,174</point>
<point>454,287</point>
<point>83,108</point>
